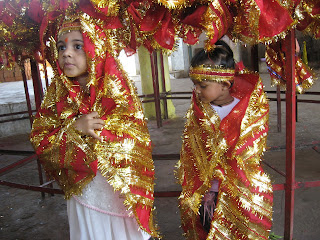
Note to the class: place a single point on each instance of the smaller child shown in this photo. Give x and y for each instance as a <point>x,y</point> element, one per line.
<point>225,193</point>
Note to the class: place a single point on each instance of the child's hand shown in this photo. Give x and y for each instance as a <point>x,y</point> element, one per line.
<point>88,123</point>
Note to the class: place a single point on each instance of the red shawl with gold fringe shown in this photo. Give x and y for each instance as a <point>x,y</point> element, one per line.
<point>275,59</point>
<point>229,151</point>
<point>124,156</point>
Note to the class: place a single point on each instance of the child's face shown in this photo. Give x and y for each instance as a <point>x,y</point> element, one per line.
<point>72,58</point>
<point>210,91</point>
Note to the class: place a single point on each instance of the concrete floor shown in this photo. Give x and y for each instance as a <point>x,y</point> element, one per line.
<point>25,215</point>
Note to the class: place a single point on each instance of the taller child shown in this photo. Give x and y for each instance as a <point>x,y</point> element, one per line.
<point>225,193</point>
<point>91,135</point>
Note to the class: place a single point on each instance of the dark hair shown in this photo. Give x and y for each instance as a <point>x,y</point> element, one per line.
<point>221,55</point>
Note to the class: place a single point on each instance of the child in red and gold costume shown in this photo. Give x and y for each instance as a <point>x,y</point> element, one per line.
<point>91,135</point>
<point>225,192</point>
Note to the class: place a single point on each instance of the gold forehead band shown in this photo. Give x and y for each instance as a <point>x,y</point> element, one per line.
<point>69,26</point>
<point>211,73</point>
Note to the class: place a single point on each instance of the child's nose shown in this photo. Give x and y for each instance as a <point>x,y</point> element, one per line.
<point>67,52</point>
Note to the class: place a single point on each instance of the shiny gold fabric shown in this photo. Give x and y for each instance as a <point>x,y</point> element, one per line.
<point>276,63</point>
<point>124,155</point>
<point>209,73</point>
<point>229,151</point>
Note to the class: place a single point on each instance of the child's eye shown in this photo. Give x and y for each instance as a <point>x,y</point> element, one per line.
<point>203,86</point>
<point>78,46</point>
<point>61,48</point>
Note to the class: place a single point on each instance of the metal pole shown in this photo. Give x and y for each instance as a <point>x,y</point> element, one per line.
<point>164,89</point>
<point>37,85</point>
<point>255,58</point>
<point>155,81</point>
<point>26,91</point>
<point>278,109</point>
<point>290,134</point>
<point>296,108</point>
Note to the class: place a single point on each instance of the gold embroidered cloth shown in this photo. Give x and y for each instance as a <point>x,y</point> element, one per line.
<point>124,155</point>
<point>229,151</point>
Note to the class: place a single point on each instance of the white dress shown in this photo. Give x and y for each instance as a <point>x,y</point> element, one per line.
<point>223,111</point>
<point>99,214</point>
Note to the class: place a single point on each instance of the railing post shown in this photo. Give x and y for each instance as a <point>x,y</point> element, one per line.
<point>278,109</point>
<point>26,90</point>
<point>155,81</point>
<point>255,57</point>
<point>290,134</point>
<point>164,88</point>
<point>37,84</point>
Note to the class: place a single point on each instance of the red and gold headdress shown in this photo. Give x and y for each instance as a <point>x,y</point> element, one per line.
<point>202,73</point>
<point>69,26</point>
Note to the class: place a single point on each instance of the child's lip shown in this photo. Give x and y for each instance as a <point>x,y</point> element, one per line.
<point>68,64</point>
